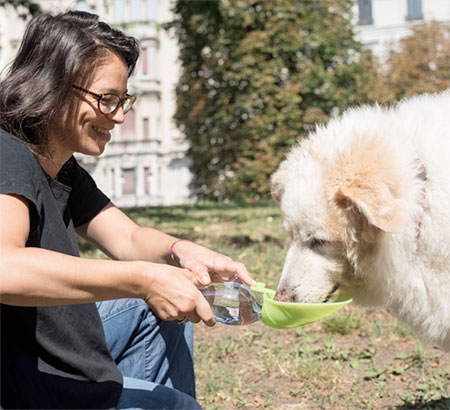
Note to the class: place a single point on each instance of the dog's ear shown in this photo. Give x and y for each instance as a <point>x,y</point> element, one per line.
<point>278,181</point>
<point>376,204</point>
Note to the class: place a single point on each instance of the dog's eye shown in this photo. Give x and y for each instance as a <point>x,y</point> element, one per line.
<point>315,243</point>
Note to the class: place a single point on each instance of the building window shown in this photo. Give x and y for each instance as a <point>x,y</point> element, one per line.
<point>136,14</point>
<point>113,182</point>
<point>129,126</point>
<point>149,60</point>
<point>128,181</point>
<point>82,6</point>
<point>365,12</point>
<point>119,11</point>
<point>147,174</point>
<point>152,61</point>
<point>146,128</point>
<point>153,10</point>
<point>415,10</point>
<point>144,60</point>
<point>159,187</point>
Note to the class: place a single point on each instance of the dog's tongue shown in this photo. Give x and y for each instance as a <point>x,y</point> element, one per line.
<point>286,295</point>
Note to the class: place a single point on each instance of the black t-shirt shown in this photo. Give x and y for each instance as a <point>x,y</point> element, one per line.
<point>53,357</point>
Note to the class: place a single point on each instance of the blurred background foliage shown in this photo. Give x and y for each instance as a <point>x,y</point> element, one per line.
<point>258,75</point>
<point>421,62</point>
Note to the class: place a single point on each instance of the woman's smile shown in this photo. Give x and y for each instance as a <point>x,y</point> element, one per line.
<point>104,133</point>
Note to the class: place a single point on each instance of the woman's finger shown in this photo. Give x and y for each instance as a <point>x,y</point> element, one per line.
<point>200,273</point>
<point>228,269</point>
<point>204,311</point>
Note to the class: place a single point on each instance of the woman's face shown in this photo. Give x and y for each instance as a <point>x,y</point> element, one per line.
<point>90,130</point>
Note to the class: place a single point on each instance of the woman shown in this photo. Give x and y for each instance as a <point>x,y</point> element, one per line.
<point>64,93</point>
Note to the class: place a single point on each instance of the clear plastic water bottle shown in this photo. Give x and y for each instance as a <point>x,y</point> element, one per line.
<point>233,303</point>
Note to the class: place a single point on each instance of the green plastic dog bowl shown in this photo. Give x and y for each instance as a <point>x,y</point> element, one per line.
<point>285,315</point>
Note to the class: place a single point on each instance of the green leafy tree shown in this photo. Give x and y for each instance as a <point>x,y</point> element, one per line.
<point>25,7</point>
<point>420,62</point>
<point>258,75</point>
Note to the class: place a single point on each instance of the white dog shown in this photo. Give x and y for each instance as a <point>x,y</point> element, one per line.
<point>366,200</point>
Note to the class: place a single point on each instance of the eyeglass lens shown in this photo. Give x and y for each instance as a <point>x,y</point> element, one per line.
<point>109,103</point>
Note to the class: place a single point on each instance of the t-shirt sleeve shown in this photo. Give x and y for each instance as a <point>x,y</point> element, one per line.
<point>86,199</point>
<point>17,168</point>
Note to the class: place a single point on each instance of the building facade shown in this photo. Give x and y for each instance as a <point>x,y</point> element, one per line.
<point>381,23</point>
<point>145,162</point>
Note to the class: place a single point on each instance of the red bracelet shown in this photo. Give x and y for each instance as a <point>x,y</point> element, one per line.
<point>172,255</point>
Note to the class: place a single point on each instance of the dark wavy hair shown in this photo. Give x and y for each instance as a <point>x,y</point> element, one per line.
<point>55,52</point>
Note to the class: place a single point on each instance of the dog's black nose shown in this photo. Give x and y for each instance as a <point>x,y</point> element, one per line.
<point>285,295</point>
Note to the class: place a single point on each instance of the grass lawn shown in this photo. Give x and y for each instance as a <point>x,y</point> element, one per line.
<point>355,359</point>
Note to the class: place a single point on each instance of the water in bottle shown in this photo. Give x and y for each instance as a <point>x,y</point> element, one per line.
<point>233,303</point>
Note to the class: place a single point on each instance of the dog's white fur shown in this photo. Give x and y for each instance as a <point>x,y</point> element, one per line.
<point>361,217</point>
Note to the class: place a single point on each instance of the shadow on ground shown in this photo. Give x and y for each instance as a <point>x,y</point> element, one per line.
<point>442,404</point>
<point>246,240</point>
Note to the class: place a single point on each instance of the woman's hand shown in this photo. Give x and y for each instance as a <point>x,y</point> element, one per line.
<point>172,295</point>
<point>207,265</point>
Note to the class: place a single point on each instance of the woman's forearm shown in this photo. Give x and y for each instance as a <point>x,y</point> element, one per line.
<point>122,239</point>
<point>151,245</point>
<point>38,277</point>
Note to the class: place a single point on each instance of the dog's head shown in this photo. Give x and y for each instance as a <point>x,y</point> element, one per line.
<point>337,201</point>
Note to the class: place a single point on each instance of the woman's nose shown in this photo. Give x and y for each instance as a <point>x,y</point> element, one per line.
<point>117,115</point>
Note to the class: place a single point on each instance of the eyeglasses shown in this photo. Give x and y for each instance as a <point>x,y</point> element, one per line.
<point>108,103</point>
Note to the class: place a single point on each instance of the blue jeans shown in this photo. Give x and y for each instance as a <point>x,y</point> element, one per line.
<point>155,356</point>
